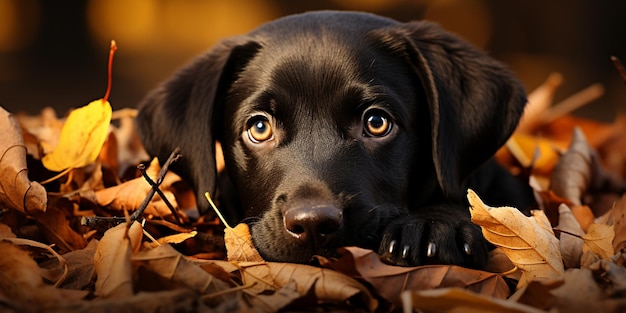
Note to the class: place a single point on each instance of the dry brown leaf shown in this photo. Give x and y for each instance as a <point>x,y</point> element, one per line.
<point>579,171</point>
<point>167,263</point>
<point>528,241</point>
<point>599,240</point>
<point>239,246</point>
<point>390,281</point>
<point>572,174</point>
<point>324,284</point>
<point>112,260</point>
<point>16,190</point>
<point>571,246</point>
<point>130,194</point>
<point>619,224</point>
<point>457,300</point>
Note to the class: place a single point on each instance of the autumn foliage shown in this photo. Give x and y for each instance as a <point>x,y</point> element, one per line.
<point>83,229</point>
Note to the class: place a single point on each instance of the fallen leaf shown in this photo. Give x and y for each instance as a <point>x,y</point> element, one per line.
<point>112,260</point>
<point>324,284</point>
<point>169,264</point>
<point>390,281</point>
<point>599,240</point>
<point>570,242</point>
<point>579,171</point>
<point>82,137</point>
<point>238,240</point>
<point>239,246</point>
<point>528,241</point>
<point>16,190</point>
<point>459,300</point>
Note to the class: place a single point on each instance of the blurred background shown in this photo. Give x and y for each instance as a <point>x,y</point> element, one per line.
<point>54,53</point>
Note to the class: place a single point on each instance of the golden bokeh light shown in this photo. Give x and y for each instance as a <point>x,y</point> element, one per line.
<point>19,24</point>
<point>174,26</point>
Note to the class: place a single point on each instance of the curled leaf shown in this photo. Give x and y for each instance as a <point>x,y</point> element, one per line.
<point>528,241</point>
<point>16,190</point>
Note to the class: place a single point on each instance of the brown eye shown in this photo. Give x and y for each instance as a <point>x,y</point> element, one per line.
<point>377,124</point>
<point>260,130</point>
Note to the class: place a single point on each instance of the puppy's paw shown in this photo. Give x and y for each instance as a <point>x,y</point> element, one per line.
<point>434,239</point>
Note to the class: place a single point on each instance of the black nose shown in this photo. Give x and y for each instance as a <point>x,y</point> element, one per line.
<point>312,224</point>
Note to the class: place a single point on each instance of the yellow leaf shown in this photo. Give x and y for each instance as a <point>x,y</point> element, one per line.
<point>599,240</point>
<point>238,240</point>
<point>82,137</point>
<point>527,241</point>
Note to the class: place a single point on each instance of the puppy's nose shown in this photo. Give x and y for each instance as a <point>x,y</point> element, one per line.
<point>312,224</point>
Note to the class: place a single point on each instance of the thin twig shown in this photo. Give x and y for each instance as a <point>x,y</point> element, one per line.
<point>566,232</point>
<point>174,156</point>
<point>94,221</point>
<point>142,169</point>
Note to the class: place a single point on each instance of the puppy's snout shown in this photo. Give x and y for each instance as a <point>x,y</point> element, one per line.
<point>312,224</point>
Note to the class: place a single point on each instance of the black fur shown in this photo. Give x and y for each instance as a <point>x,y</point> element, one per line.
<point>322,181</point>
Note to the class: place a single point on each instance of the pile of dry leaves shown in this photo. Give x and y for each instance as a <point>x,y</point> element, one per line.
<point>82,229</point>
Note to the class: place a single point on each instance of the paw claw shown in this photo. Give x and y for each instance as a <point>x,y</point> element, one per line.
<point>392,246</point>
<point>431,249</point>
<point>405,252</point>
<point>467,248</point>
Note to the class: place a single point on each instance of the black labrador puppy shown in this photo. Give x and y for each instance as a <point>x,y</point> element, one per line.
<point>343,128</point>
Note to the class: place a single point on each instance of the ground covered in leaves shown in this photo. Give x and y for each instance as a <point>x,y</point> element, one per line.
<point>83,228</point>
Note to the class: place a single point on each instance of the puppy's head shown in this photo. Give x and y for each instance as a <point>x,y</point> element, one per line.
<point>333,124</point>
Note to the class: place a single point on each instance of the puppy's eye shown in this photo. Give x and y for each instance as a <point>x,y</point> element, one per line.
<point>260,129</point>
<point>377,124</point>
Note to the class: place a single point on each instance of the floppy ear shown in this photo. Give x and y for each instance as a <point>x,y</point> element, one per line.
<point>179,113</point>
<point>475,103</point>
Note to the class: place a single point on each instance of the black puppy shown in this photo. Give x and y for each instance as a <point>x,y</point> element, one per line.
<point>342,129</point>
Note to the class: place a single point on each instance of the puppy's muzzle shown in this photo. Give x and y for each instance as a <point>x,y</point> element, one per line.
<point>312,225</point>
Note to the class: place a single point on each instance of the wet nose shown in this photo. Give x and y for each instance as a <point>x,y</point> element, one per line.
<point>312,224</point>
